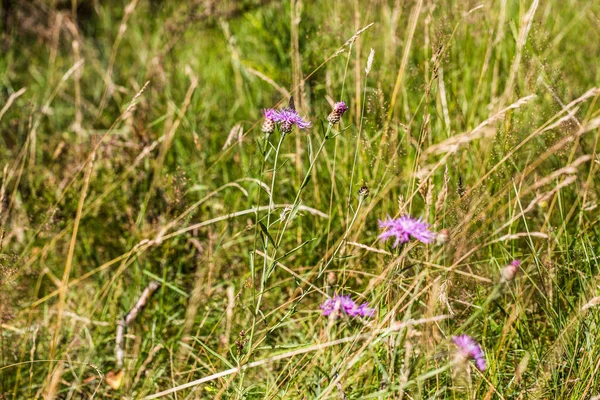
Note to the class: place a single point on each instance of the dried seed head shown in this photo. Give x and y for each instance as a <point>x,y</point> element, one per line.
<point>370,61</point>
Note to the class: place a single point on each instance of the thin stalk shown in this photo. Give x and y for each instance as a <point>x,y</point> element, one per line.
<point>264,273</point>
<point>273,183</point>
<point>493,296</point>
<point>322,270</point>
<point>302,186</point>
<point>358,136</point>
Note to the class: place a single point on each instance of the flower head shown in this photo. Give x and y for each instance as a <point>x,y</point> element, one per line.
<point>288,117</point>
<point>270,115</point>
<point>339,109</point>
<point>364,191</point>
<point>339,305</point>
<point>442,236</point>
<point>469,348</point>
<point>403,228</point>
<point>510,271</point>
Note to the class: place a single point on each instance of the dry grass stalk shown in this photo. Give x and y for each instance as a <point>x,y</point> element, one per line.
<point>309,349</point>
<point>452,144</point>
<point>129,319</point>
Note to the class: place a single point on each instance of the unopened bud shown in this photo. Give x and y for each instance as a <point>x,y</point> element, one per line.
<point>268,126</point>
<point>339,109</point>
<point>510,271</point>
<point>286,127</point>
<point>442,236</point>
<point>331,278</point>
<point>364,191</point>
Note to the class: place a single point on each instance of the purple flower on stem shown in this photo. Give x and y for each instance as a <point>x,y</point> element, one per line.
<point>339,109</point>
<point>469,348</point>
<point>287,118</point>
<point>339,305</point>
<point>403,228</point>
<point>271,116</point>
<point>510,271</point>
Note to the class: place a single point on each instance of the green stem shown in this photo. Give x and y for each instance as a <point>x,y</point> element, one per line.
<point>322,270</point>
<point>302,186</point>
<point>264,273</point>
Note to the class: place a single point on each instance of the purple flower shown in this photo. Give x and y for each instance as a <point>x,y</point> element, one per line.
<point>403,228</point>
<point>469,348</point>
<point>339,109</point>
<point>339,305</point>
<point>287,118</point>
<point>271,115</point>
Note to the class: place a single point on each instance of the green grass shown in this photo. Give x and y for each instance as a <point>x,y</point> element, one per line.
<point>136,155</point>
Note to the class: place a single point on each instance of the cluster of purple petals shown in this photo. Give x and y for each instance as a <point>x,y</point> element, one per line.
<point>340,107</point>
<point>403,228</point>
<point>270,114</point>
<point>286,118</point>
<point>339,305</point>
<point>469,348</point>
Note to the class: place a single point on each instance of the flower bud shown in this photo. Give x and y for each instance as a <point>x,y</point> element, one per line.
<point>442,236</point>
<point>268,126</point>
<point>510,271</point>
<point>339,109</point>
<point>364,191</point>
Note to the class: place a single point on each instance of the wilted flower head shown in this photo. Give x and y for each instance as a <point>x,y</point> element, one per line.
<point>403,228</point>
<point>271,116</point>
<point>288,117</point>
<point>469,348</point>
<point>510,271</point>
<point>339,305</point>
<point>339,109</point>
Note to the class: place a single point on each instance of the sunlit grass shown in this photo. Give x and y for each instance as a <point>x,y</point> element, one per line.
<point>131,151</point>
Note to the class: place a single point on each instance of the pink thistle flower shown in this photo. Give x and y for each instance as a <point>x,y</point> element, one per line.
<point>339,109</point>
<point>340,305</point>
<point>271,116</point>
<point>469,348</point>
<point>510,271</point>
<point>287,118</point>
<point>403,228</point>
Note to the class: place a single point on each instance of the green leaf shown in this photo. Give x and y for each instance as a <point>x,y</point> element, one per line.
<point>294,211</point>
<point>167,284</point>
<point>306,180</point>
<point>214,353</point>
<point>266,232</point>
<point>295,249</point>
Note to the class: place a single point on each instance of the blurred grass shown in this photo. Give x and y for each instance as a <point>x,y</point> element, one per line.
<point>153,163</point>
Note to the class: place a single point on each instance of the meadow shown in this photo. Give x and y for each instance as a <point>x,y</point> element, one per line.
<point>370,199</point>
